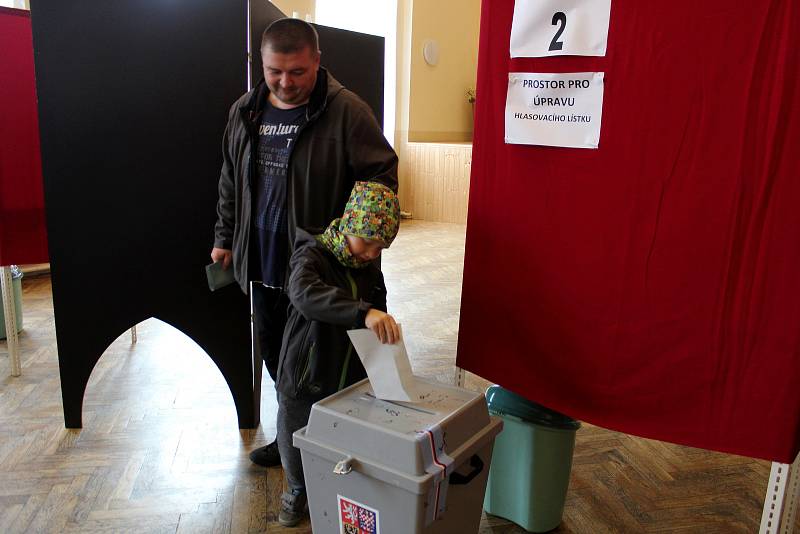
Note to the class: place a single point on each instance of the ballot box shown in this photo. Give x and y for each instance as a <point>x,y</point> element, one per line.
<point>374,466</point>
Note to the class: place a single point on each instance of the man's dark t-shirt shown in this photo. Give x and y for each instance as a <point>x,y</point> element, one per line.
<point>276,136</point>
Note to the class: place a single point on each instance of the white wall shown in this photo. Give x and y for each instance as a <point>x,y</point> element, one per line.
<point>19,4</point>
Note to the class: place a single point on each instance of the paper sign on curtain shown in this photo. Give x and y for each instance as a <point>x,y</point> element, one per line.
<point>543,28</point>
<point>554,109</point>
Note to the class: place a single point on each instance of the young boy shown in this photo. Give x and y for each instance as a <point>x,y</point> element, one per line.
<point>334,286</point>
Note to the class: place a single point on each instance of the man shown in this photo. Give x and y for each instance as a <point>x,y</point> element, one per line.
<point>293,148</point>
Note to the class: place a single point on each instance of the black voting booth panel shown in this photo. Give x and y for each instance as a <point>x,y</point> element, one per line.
<point>356,60</point>
<point>262,14</point>
<point>133,101</point>
<point>133,97</point>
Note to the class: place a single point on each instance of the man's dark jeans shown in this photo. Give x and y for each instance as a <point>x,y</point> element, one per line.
<point>270,308</point>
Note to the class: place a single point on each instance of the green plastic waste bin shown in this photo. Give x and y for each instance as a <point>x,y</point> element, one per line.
<point>16,283</point>
<point>531,463</point>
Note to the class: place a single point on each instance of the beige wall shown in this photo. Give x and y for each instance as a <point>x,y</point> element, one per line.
<point>303,7</point>
<point>403,98</point>
<point>439,110</point>
<point>403,80</point>
<point>432,106</point>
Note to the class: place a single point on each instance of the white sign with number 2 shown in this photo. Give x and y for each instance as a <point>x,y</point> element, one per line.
<point>560,28</point>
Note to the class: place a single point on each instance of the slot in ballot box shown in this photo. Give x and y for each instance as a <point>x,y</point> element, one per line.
<point>375,466</point>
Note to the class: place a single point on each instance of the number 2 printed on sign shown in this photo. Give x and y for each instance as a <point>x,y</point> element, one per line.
<point>559,18</point>
<point>542,28</point>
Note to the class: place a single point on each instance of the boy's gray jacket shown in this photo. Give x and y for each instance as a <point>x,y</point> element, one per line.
<point>340,144</point>
<point>327,299</point>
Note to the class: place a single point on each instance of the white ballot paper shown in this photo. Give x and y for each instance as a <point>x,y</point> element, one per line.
<point>387,367</point>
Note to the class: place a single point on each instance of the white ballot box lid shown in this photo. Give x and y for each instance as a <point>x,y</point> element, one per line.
<point>398,436</point>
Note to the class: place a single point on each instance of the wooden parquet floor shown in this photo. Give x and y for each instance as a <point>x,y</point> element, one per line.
<point>160,450</point>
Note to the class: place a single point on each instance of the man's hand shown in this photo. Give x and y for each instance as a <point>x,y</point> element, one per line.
<point>383,325</point>
<point>223,255</point>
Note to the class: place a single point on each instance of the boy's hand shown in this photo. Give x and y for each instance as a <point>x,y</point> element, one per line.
<point>383,325</point>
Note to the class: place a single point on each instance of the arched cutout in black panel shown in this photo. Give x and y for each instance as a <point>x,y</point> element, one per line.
<point>157,378</point>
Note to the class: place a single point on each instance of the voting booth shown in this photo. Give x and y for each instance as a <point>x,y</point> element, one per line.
<point>636,158</point>
<point>646,183</point>
<point>376,466</point>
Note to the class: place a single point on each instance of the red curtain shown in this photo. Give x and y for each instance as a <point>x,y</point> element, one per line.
<point>651,286</point>
<point>22,222</point>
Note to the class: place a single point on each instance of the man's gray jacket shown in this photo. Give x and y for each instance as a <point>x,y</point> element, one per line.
<point>340,144</point>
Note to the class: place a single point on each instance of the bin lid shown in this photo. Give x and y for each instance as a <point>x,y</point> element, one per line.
<point>393,434</point>
<point>504,401</point>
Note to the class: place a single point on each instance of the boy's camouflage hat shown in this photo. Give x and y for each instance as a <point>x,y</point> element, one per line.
<point>372,212</point>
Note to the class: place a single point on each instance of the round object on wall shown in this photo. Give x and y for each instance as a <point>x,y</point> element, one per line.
<point>430,51</point>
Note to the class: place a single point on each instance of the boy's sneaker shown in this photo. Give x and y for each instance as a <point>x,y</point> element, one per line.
<point>293,508</point>
<point>267,456</point>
